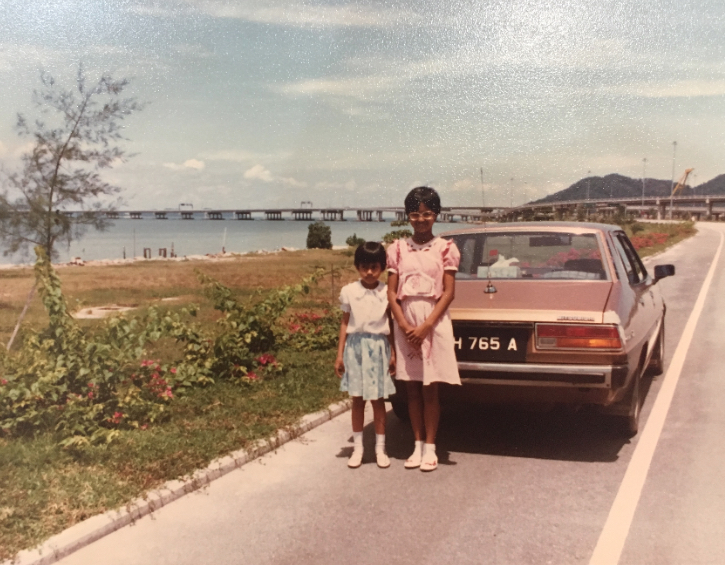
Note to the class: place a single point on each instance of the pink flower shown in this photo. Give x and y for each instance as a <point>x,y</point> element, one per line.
<point>90,395</point>
<point>251,375</point>
<point>173,370</point>
<point>117,417</point>
<point>3,382</point>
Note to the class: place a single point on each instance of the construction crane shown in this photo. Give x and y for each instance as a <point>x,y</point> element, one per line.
<point>681,183</point>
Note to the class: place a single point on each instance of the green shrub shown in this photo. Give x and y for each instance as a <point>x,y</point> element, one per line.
<point>390,237</point>
<point>354,241</point>
<point>319,236</point>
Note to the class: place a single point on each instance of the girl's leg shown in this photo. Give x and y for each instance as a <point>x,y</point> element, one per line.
<point>431,411</point>
<point>358,415</point>
<point>379,416</point>
<point>431,416</point>
<point>415,411</point>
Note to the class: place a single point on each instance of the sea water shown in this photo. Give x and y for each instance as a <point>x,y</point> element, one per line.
<point>129,238</point>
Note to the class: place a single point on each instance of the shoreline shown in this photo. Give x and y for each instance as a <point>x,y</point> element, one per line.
<point>212,257</point>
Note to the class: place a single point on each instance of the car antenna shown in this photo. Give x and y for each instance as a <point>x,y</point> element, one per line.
<point>490,289</point>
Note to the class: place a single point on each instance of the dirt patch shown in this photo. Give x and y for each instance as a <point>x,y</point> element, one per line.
<point>101,311</point>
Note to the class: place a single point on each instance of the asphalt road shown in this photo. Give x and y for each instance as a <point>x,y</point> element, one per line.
<point>513,487</point>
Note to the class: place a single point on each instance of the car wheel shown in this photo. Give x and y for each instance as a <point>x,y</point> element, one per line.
<point>400,409</point>
<point>629,424</point>
<point>657,361</point>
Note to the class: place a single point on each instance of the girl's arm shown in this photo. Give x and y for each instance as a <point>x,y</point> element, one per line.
<point>339,363</point>
<point>391,339</point>
<point>395,309</point>
<point>417,335</point>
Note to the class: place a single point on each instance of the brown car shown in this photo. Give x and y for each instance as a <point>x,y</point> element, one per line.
<point>555,312</point>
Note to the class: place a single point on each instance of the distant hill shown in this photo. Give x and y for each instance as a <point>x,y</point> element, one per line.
<point>619,186</point>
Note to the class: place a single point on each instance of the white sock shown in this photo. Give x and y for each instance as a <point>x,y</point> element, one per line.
<point>379,442</point>
<point>418,450</point>
<point>357,440</point>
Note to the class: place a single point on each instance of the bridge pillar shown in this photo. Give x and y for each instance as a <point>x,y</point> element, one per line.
<point>243,215</point>
<point>112,215</point>
<point>379,214</point>
<point>661,209</point>
<point>399,215</point>
<point>273,214</point>
<point>135,215</point>
<point>187,215</point>
<point>161,215</point>
<point>708,204</point>
<point>302,214</point>
<point>214,216</point>
<point>365,215</point>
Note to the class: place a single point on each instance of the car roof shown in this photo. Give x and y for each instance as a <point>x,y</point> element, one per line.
<point>570,227</point>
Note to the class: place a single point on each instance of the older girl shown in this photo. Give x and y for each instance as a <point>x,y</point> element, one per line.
<point>421,284</point>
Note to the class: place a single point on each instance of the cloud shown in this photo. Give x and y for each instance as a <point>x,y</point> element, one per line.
<point>293,13</point>
<point>260,172</point>
<point>302,14</point>
<point>676,89</point>
<point>193,164</point>
<point>234,155</point>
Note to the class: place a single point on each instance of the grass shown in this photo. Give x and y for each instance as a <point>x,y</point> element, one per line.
<point>45,489</point>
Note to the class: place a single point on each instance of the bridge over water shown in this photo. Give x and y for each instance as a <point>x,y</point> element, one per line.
<point>695,207</point>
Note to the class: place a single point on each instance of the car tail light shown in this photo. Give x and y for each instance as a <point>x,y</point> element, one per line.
<point>577,336</point>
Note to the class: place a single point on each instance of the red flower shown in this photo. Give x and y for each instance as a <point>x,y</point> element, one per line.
<point>251,375</point>
<point>3,382</point>
<point>90,395</point>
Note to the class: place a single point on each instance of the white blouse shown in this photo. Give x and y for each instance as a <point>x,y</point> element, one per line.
<point>367,308</point>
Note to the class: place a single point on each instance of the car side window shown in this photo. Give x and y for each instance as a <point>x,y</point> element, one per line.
<point>632,276</point>
<point>636,272</point>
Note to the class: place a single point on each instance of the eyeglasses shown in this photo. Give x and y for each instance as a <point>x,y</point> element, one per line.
<point>415,216</point>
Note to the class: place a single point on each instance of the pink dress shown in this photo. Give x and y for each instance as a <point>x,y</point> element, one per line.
<point>420,271</point>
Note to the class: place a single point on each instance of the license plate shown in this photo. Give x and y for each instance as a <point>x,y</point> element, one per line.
<point>490,343</point>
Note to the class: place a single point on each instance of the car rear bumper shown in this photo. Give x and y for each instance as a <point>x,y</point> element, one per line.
<point>543,375</point>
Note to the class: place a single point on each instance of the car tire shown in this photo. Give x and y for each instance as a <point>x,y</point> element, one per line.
<point>400,409</point>
<point>629,424</point>
<point>657,361</point>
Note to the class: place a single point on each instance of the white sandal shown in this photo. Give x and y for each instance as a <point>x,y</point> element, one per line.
<point>382,459</point>
<point>430,460</point>
<point>414,461</point>
<point>355,459</point>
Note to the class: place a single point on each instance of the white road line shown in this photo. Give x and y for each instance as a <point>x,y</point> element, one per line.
<point>611,541</point>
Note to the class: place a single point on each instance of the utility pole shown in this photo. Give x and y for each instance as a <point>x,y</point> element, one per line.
<point>589,182</point>
<point>672,188</point>
<point>483,194</point>
<point>644,165</point>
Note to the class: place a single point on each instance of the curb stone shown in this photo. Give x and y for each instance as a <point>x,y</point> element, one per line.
<point>86,532</point>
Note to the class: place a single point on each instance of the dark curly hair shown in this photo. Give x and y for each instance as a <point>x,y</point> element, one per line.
<point>422,195</point>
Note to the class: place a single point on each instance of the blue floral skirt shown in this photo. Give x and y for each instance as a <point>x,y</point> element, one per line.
<point>367,371</point>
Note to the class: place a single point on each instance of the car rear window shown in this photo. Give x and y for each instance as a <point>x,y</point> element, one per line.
<point>529,255</point>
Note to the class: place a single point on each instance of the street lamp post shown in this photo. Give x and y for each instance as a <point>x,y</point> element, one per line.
<point>672,187</point>
<point>644,165</point>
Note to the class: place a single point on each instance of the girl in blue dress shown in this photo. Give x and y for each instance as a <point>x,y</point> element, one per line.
<point>365,358</point>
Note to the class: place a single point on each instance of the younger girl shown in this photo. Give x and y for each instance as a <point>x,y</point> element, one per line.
<point>421,284</point>
<point>365,359</point>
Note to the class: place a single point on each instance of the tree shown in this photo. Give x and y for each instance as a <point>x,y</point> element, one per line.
<point>75,137</point>
<point>319,236</point>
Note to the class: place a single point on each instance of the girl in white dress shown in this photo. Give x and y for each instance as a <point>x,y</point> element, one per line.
<point>365,358</point>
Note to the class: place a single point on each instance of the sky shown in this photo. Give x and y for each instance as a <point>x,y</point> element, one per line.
<point>268,103</point>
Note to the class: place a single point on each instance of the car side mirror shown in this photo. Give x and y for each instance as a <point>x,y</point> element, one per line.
<point>662,271</point>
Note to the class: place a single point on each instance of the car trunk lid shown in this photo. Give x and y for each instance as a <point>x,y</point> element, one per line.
<point>531,301</point>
